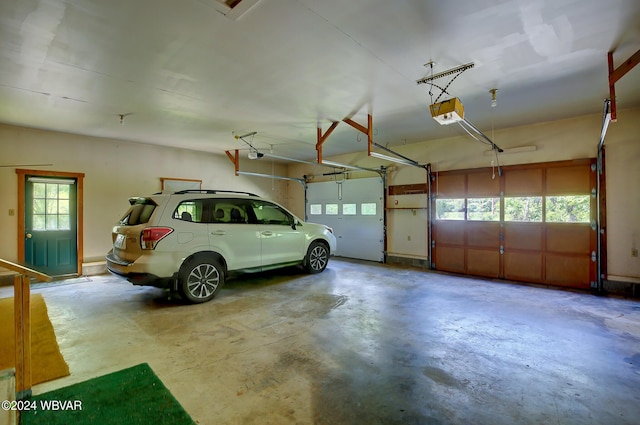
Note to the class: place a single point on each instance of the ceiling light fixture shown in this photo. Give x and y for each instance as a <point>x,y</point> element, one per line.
<point>392,159</point>
<point>493,97</point>
<point>345,166</point>
<point>123,116</point>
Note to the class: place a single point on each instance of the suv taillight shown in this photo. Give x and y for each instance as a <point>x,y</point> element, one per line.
<point>152,235</point>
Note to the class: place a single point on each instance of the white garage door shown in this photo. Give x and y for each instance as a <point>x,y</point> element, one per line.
<point>354,209</point>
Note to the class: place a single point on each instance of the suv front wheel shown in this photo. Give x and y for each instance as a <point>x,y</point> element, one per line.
<point>317,257</point>
<point>200,279</point>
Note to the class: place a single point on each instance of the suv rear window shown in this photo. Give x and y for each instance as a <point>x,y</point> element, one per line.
<point>139,212</point>
<point>192,210</point>
<point>216,210</point>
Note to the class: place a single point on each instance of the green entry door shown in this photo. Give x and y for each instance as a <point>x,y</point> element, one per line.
<point>51,225</point>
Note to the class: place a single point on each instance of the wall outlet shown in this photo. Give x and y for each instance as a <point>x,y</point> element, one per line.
<point>634,252</point>
<point>12,212</point>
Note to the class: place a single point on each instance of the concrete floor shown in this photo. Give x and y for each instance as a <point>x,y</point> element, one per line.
<point>362,343</point>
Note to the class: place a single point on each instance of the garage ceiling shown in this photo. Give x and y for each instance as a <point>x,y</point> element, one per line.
<point>184,74</point>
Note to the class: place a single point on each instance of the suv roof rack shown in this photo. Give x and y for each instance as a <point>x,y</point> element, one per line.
<point>212,192</point>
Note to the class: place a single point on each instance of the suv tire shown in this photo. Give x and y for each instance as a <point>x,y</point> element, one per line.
<point>200,279</point>
<point>317,257</point>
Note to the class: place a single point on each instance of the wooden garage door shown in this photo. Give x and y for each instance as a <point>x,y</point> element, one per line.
<point>466,217</point>
<point>535,223</point>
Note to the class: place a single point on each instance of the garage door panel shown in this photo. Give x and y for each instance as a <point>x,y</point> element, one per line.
<point>526,236</point>
<point>481,184</point>
<point>450,259</point>
<point>450,231</point>
<point>450,185</point>
<point>359,235</point>
<point>527,182</point>
<point>523,266</point>
<point>564,270</point>
<point>483,234</point>
<point>569,180</point>
<point>483,262</point>
<point>569,238</point>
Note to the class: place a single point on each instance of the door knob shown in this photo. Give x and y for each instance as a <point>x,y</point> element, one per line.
<point>28,235</point>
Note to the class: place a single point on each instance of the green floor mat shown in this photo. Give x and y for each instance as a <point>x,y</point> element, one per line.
<point>132,396</point>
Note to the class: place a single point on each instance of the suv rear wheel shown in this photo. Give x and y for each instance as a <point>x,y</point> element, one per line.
<point>317,257</point>
<point>200,279</point>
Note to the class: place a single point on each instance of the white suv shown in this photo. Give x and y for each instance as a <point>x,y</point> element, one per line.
<point>188,241</point>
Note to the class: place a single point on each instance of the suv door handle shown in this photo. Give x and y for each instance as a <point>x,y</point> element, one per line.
<point>218,232</point>
<point>267,233</point>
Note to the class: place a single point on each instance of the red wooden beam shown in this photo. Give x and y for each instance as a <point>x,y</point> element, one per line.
<point>616,73</point>
<point>323,137</point>
<point>366,130</point>
<point>235,159</point>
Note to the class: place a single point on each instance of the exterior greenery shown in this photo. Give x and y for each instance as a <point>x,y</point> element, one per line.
<point>527,209</point>
<point>559,209</point>
<point>564,209</point>
<point>483,209</point>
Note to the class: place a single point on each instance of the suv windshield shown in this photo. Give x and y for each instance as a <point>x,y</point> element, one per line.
<point>139,212</point>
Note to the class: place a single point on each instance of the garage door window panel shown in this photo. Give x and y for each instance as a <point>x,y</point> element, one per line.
<point>315,209</point>
<point>349,209</point>
<point>483,209</point>
<point>568,209</point>
<point>331,209</point>
<point>369,208</point>
<point>524,209</point>
<point>450,209</point>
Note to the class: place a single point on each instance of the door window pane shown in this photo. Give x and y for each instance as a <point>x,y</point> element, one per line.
<point>38,222</point>
<point>39,190</point>
<point>51,208</point>
<point>349,209</point>
<point>483,209</point>
<point>38,206</point>
<point>63,222</point>
<point>450,209</point>
<point>51,190</point>
<point>568,209</point>
<point>524,209</point>
<point>63,206</point>
<point>368,208</point>
<point>51,222</point>
<point>63,191</point>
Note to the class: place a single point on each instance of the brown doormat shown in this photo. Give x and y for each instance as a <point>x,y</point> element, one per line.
<point>47,362</point>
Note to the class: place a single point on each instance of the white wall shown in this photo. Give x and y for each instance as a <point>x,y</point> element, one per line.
<point>553,141</point>
<point>114,171</point>
<point>622,146</point>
